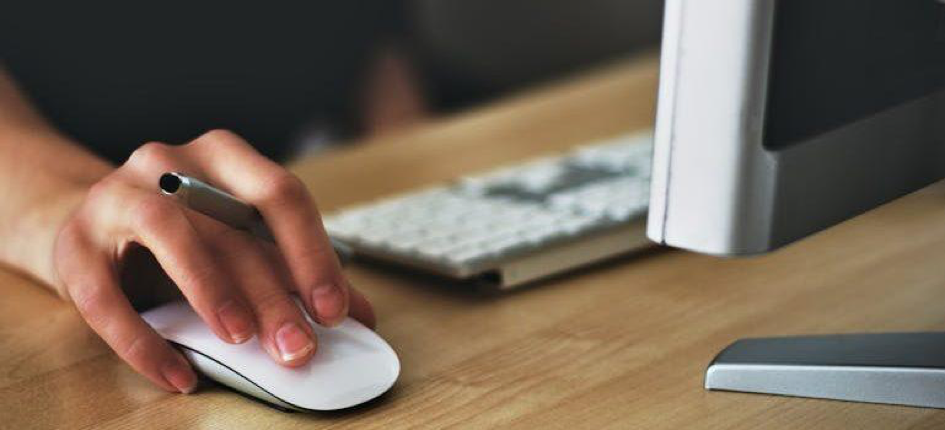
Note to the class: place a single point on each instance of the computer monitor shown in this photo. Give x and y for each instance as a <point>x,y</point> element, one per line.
<point>779,118</point>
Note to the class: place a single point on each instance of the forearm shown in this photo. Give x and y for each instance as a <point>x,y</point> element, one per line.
<point>43,177</point>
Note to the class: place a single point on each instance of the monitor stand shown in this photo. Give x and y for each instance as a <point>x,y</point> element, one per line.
<point>894,368</point>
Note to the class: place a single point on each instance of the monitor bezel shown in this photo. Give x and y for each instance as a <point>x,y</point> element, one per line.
<point>716,189</point>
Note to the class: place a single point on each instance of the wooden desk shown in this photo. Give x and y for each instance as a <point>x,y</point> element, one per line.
<point>622,345</point>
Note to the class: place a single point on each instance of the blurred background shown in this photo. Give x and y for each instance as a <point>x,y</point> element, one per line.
<point>298,76</point>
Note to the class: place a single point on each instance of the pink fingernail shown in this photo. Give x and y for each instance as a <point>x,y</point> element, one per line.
<point>180,376</point>
<point>328,301</point>
<point>237,321</point>
<point>293,342</point>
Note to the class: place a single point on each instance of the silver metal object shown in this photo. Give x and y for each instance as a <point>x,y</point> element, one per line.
<point>225,207</point>
<point>892,368</point>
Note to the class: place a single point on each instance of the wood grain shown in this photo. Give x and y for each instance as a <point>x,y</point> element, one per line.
<point>620,345</point>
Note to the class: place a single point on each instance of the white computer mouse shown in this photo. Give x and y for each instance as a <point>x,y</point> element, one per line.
<point>352,364</point>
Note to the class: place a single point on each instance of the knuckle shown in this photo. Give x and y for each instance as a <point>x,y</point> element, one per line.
<point>217,138</point>
<point>200,277</point>
<point>150,154</point>
<point>94,219</point>
<point>220,134</point>
<point>273,302</point>
<point>100,190</point>
<point>136,350</point>
<point>282,188</point>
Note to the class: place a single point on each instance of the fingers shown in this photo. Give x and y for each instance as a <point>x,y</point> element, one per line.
<point>289,211</point>
<point>151,160</point>
<point>361,309</point>
<point>234,285</point>
<point>283,330</point>
<point>161,225</point>
<point>92,284</point>
<point>281,326</point>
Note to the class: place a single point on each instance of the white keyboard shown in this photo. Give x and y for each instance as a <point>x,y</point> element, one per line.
<point>517,223</point>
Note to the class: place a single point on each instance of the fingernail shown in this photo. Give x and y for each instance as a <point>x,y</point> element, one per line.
<point>181,377</point>
<point>293,342</point>
<point>328,301</point>
<point>237,321</point>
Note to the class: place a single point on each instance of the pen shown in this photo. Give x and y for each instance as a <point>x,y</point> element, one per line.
<point>226,208</point>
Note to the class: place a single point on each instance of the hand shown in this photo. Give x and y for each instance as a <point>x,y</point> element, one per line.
<point>238,285</point>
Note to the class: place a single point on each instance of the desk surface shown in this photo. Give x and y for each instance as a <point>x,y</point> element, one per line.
<point>620,345</point>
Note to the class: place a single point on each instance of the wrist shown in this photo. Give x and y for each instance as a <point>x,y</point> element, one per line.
<point>29,248</point>
<point>44,198</point>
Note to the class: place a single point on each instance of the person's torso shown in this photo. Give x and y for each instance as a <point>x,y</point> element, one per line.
<point>116,76</point>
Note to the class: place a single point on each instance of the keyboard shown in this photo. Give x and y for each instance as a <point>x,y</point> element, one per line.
<point>515,224</point>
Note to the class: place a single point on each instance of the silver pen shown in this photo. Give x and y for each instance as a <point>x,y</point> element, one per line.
<point>226,208</point>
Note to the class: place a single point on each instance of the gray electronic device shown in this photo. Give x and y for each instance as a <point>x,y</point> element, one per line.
<point>779,118</point>
<point>894,368</point>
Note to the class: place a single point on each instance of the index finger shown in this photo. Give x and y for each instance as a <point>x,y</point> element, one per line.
<point>288,209</point>
<point>93,287</point>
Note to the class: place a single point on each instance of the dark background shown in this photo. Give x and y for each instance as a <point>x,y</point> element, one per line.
<point>114,76</point>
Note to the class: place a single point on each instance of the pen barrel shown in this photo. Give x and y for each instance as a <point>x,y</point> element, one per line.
<point>220,205</point>
<point>228,209</point>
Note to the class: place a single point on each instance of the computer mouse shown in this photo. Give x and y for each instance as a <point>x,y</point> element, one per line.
<point>351,365</point>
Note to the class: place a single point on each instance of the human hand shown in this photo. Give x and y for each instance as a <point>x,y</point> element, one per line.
<point>238,285</point>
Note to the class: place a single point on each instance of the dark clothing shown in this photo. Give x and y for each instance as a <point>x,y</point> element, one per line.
<point>473,50</point>
<point>116,76</point>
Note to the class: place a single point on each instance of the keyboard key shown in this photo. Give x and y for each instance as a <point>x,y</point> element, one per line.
<point>513,209</point>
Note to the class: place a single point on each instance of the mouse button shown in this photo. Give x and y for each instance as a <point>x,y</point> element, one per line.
<point>175,320</point>
<point>347,340</point>
<point>178,323</point>
<point>339,384</point>
<point>351,365</point>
